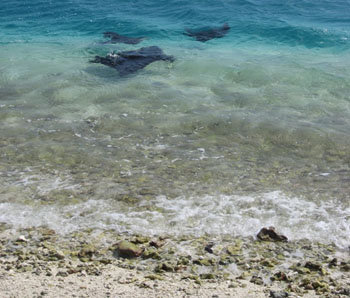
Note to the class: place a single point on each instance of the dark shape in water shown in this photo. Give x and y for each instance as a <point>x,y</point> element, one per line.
<point>208,34</point>
<point>270,234</point>
<point>131,61</point>
<point>116,38</point>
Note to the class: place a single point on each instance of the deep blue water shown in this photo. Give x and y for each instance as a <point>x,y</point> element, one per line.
<point>247,130</point>
<point>291,23</point>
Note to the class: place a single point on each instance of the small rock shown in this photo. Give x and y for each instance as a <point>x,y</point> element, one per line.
<point>209,247</point>
<point>280,276</point>
<point>315,267</point>
<point>145,285</point>
<point>157,243</point>
<point>207,276</point>
<point>204,262</point>
<point>333,263</point>
<point>164,267</point>
<point>151,254</point>
<point>22,238</point>
<point>308,287</point>
<point>126,249</point>
<point>270,234</point>
<point>233,285</point>
<point>62,273</point>
<point>281,294</point>
<point>140,240</point>
<point>344,291</point>
<point>87,251</point>
<point>154,277</point>
<point>345,267</point>
<point>257,280</point>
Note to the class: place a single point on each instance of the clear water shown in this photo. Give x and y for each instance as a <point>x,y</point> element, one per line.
<point>248,130</point>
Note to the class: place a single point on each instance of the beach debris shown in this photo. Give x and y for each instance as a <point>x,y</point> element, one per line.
<point>131,61</point>
<point>126,249</point>
<point>270,234</point>
<point>117,38</point>
<point>208,34</point>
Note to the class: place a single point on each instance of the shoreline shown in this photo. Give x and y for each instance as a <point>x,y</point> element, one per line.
<point>38,262</point>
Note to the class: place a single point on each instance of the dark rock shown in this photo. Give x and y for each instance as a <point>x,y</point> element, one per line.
<point>164,267</point>
<point>313,266</point>
<point>157,243</point>
<point>209,247</point>
<point>270,234</point>
<point>280,276</point>
<point>126,249</point>
<point>333,263</point>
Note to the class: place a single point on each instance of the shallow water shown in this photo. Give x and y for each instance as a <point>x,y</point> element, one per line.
<point>248,130</point>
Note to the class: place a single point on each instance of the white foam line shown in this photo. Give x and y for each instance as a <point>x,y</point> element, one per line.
<point>222,214</point>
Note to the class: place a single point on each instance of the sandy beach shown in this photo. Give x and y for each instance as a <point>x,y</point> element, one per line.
<point>119,282</point>
<point>38,262</point>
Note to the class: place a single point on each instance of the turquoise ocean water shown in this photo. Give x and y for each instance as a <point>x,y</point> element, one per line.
<point>240,132</point>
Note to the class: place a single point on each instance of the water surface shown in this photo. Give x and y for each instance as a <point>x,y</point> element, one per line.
<point>248,130</point>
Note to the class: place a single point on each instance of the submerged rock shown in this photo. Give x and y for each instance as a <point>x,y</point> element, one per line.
<point>270,234</point>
